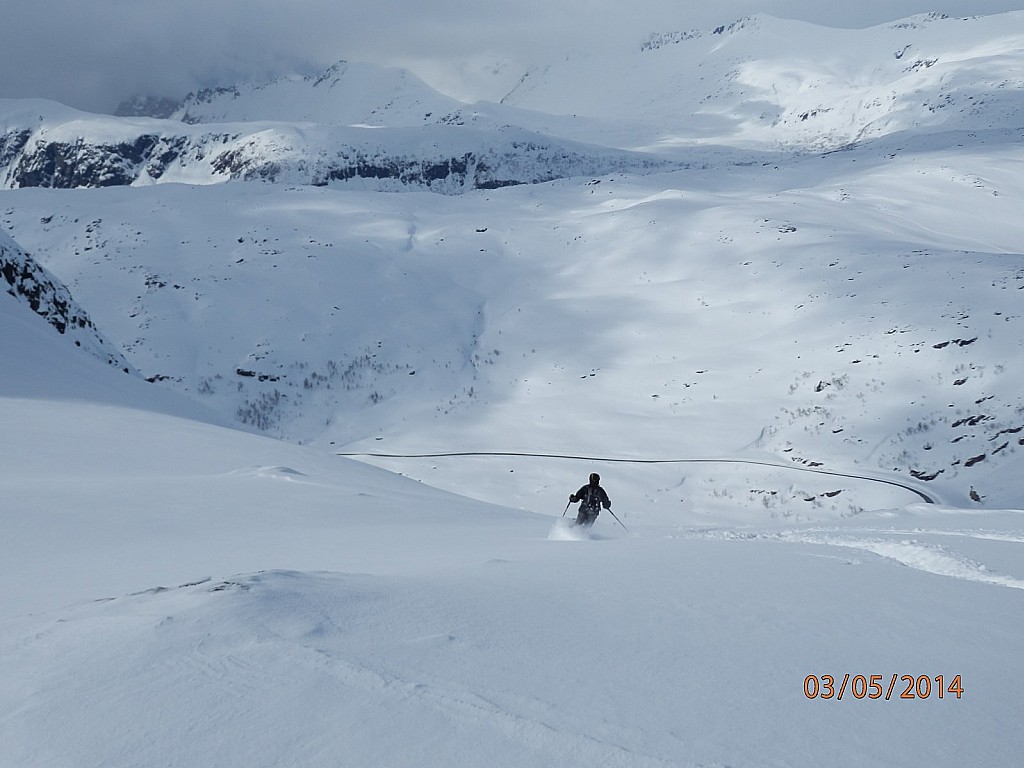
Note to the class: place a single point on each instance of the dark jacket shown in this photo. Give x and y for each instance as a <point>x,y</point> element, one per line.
<point>593,498</point>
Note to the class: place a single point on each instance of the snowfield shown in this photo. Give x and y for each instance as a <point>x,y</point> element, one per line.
<point>284,464</point>
<point>179,593</point>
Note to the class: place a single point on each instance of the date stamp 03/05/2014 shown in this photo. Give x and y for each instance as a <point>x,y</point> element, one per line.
<point>886,687</point>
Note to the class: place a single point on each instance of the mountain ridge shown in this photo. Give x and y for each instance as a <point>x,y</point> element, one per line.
<point>73,150</point>
<point>672,99</point>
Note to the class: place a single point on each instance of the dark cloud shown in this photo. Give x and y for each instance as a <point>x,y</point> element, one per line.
<point>92,54</point>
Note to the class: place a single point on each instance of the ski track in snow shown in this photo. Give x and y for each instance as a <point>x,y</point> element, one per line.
<point>931,559</point>
<point>920,556</point>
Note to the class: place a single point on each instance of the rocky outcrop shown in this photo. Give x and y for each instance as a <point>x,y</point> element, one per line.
<point>449,159</point>
<point>71,165</point>
<point>30,282</point>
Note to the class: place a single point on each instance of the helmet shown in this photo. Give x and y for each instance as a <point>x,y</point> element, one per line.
<point>594,478</point>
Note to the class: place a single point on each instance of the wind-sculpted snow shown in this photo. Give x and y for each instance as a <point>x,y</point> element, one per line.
<point>634,652</point>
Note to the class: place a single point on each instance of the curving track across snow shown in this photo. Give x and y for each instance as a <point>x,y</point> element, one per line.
<point>928,499</point>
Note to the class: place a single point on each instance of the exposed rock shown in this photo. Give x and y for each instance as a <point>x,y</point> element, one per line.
<point>69,166</point>
<point>441,158</point>
<point>26,279</point>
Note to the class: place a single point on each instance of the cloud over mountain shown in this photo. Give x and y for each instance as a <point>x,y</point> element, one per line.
<point>93,55</point>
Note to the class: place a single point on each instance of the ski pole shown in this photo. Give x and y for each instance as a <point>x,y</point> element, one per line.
<point>566,509</point>
<point>617,520</point>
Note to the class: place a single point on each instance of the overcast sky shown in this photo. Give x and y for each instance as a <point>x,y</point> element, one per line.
<point>93,53</point>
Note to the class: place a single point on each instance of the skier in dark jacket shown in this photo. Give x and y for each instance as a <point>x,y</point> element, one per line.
<point>593,497</point>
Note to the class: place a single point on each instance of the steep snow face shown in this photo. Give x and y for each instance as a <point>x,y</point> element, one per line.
<point>41,367</point>
<point>33,286</point>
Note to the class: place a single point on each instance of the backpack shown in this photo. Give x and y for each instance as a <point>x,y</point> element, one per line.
<point>592,499</point>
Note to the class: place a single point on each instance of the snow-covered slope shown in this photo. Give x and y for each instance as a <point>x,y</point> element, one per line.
<point>756,82</point>
<point>48,145</point>
<point>854,311</point>
<point>35,288</point>
<point>180,593</point>
<point>348,93</point>
<point>763,81</point>
<point>680,94</point>
<point>775,357</point>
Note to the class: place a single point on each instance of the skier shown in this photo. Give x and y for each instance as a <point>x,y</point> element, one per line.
<point>593,497</point>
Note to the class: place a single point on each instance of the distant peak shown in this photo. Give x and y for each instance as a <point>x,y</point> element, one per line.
<point>147,106</point>
<point>747,22</point>
<point>332,73</point>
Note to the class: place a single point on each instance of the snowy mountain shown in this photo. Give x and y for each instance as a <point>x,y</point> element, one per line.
<point>48,145</point>
<point>348,93</point>
<point>748,83</point>
<point>742,83</point>
<point>771,292</point>
<point>696,262</point>
<point>681,95</point>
